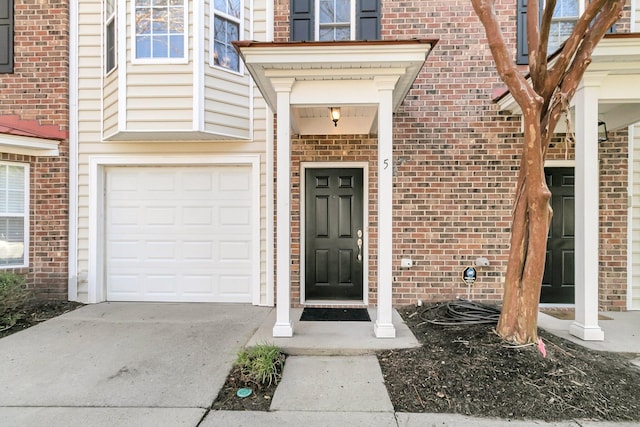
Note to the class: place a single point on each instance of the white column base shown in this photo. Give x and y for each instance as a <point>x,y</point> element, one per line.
<point>282,330</point>
<point>586,333</point>
<point>384,330</point>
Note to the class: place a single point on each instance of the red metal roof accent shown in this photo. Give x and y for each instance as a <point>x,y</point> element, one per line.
<point>14,125</point>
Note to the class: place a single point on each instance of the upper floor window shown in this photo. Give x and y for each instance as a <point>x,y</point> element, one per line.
<point>14,214</point>
<point>110,35</point>
<point>160,29</point>
<point>335,20</point>
<point>6,36</point>
<point>565,17</point>
<point>227,27</point>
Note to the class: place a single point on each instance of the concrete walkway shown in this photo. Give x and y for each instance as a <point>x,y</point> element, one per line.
<point>126,364</point>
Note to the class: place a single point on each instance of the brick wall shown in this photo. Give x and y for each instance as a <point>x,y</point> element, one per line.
<point>38,91</point>
<point>457,163</point>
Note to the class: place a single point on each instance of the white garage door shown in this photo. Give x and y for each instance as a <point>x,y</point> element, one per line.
<point>178,233</point>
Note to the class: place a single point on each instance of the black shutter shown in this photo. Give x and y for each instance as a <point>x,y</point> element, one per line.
<point>522,55</point>
<point>301,20</point>
<point>368,20</point>
<point>6,36</point>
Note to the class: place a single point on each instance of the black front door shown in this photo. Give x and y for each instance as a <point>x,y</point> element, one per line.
<point>558,282</point>
<point>334,234</point>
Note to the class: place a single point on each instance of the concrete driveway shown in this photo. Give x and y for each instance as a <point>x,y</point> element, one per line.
<point>123,364</point>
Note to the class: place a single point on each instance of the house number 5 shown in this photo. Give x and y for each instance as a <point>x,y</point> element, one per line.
<point>386,164</point>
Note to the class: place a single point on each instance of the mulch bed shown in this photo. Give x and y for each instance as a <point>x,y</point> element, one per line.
<point>469,370</point>
<point>259,400</point>
<point>38,311</point>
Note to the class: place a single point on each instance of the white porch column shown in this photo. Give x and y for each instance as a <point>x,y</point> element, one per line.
<point>383,328</point>
<point>587,212</point>
<point>283,326</point>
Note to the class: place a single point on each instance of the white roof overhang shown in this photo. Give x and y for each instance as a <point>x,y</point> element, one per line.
<point>616,65</point>
<point>334,74</point>
<point>29,145</point>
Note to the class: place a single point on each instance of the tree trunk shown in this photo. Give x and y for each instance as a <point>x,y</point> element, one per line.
<point>529,231</point>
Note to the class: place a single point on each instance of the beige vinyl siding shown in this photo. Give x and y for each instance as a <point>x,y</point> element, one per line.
<point>159,95</point>
<point>226,94</point>
<point>151,87</point>
<point>260,114</point>
<point>110,104</point>
<point>635,222</point>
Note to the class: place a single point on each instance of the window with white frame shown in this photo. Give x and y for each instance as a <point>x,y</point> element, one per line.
<point>160,29</point>
<point>332,20</point>
<point>565,17</point>
<point>227,27</point>
<point>335,20</point>
<point>14,214</point>
<point>110,35</point>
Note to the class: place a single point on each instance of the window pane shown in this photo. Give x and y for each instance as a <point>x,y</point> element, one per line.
<point>224,55</point>
<point>566,8</point>
<point>176,46</point>
<point>15,190</point>
<point>160,48</point>
<point>220,5</point>
<point>343,14</point>
<point>234,8</point>
<point>176,17</point>
<point>143,47</point>
<point>159,2</point>
<point>110,7</point>
<point>560,31</point>
<point>327,11</point>
<point>325,34</point>
<point>343,33</point>
<point>110,48</point>
<point>143,23</point>
<point>11,241</point>
<point>160,21</point>
<point>219,28</point>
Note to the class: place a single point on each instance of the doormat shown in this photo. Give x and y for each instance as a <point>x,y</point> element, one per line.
<point>335,315</point>
<point>568,314</point>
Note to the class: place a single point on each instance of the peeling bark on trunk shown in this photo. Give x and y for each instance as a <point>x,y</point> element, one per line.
<point>542,101</point>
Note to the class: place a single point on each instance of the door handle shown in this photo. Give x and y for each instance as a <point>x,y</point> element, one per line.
<point>359,245</point>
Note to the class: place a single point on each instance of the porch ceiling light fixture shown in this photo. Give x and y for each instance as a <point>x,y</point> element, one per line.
<point>603,135</point>
<point>334,113</point>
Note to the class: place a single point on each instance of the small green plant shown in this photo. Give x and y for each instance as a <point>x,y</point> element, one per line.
<point>261,365</point>
<point>13,298</point>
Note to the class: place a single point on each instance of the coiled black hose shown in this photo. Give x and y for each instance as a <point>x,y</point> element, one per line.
<point>460,312</point>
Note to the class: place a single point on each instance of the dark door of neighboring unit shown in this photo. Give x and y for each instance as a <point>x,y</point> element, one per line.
<point>334,234</point>
<point>558,282</point>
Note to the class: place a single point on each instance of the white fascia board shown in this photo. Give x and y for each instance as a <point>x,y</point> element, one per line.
<point>315,92</point>
<point>28,146</point>
<point>623,49</point>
